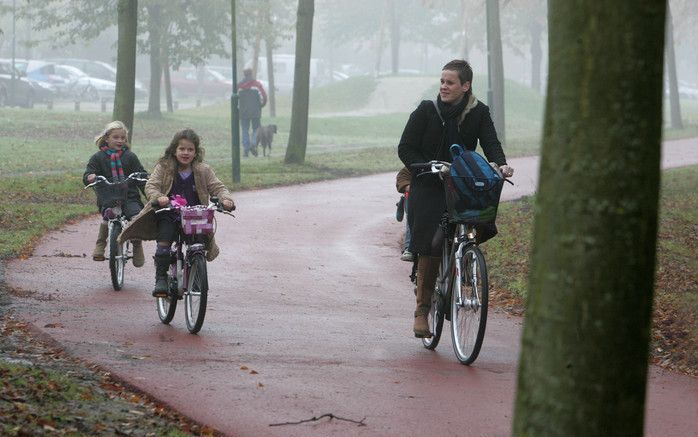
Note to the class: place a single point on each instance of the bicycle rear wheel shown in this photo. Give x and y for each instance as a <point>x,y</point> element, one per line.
<point>469,297</point>
<point>117,260</point>
<point>168,305</point>
<point>196,296</point>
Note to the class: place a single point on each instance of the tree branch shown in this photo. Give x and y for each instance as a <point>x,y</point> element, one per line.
<point>315,419</point>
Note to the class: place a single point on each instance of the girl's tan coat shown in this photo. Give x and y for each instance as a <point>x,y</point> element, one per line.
<point>144,226</point>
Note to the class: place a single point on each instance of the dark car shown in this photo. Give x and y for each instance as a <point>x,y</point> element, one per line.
<point>19,92</point>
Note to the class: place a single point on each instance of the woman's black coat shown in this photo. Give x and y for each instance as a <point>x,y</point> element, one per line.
<point>423,140</point>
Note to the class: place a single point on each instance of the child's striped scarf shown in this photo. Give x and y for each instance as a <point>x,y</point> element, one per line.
<point>117,171</point>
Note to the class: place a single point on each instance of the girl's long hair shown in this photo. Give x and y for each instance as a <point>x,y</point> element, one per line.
<point>184,134</point>
<point>101,139</point>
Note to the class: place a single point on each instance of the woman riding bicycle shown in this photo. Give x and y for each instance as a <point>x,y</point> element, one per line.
<point>180,172</point>
<point>460,119</point>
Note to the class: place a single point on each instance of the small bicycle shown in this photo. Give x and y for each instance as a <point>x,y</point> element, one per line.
<point>462,290</point>
<point>113,196</point>
<point>187,277</point>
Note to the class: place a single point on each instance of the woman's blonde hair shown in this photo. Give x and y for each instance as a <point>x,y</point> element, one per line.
<point>101,139</point>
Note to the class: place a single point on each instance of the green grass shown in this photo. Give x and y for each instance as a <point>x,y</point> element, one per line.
<point>675,334</point>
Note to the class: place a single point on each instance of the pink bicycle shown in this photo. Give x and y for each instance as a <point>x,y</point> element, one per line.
<point>187,277</point>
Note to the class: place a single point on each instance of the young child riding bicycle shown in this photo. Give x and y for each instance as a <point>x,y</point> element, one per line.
<point>115,161</point>
<point>179,172</point>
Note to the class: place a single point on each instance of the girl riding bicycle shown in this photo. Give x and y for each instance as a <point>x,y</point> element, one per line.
<point>456,117</point>
<point>179,172</point>
<point>115,161</point>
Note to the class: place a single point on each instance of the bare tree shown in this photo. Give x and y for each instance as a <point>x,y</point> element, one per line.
<point>672,81</point>
<point>495,70</point>
<point>124,95</point>
<point>298,137</point>
<point>584,357</point>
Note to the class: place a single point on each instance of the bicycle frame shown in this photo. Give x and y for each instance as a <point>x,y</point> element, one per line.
<point>119,253</point>
<point>182,254</point>
<point>187,258</point>
<point>459,296</point>
<point>464,236</point>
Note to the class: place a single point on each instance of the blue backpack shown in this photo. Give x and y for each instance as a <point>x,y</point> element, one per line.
<point>473,188</point>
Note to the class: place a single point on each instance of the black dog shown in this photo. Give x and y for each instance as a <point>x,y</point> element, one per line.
<point>265,135</point>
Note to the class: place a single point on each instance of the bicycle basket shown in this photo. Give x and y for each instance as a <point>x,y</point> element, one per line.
<point>111,195</point>
<point>197,220</point>
<point>468,202</point>
<point>473,188</point>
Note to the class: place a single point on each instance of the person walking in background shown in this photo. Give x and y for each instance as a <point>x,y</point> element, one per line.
<point>252,100</point>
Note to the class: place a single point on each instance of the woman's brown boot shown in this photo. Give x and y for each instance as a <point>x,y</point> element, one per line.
<point>427,270</point>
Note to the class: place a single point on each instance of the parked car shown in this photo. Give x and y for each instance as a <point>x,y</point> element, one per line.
<point>99,70</point>
<point>185,82</point>
<point>23,90</point>
<point>78,85</point>
<point>41,76</point>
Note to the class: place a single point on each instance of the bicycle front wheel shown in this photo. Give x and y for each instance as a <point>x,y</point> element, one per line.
<point>196,295</point>
<point>469,297</point>
<point>117,260</point>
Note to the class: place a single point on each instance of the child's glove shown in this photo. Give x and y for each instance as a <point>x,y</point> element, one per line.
<point>400,213</point>
<point>179,201</point>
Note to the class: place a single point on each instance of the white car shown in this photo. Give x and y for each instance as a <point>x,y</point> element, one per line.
<point>99,70</point>
<point>81,86</point>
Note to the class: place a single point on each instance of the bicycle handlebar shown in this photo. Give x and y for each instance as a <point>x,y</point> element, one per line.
<point>442,167</point>
<point>136,176</point>
<point>214,204</point>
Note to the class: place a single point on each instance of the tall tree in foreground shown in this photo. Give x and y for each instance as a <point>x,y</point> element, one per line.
<point>495,68</point>
<point>672,82</point>
<point>584,357</point>
<point>124,96</point>
<point>298,137</point>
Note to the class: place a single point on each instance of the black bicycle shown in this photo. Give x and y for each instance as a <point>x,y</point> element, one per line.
<point>114,195</point>
<point>187,276</point>
<point>461,292</point>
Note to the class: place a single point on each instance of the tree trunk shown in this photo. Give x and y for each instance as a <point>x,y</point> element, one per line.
<point>166,75</point>
<point>670,56</point>
<point>154,22</point>
<point>465,8</point>
<point>536,53</point>
<point>125,92</point>
<point>255,54</point>
<point>298,137</point>
<point>495,68</point>
<point>379,44</point>
<point>168,84</point>
<point>270,77</point>
<point>269,47</point>
<point>583,366</point>
<point>394,37</point>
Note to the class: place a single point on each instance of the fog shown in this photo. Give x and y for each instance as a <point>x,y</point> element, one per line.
<point>409,37</point>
